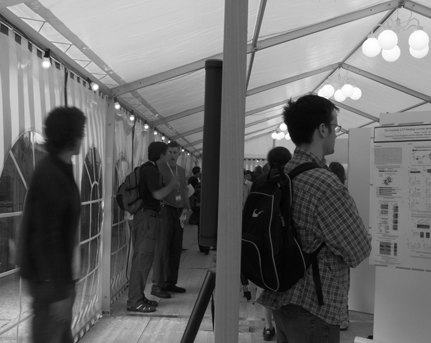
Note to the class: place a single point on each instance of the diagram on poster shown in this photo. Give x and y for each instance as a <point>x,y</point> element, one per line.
<point>401,197</point>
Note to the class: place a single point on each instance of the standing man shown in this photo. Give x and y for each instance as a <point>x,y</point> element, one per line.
<point>323,211</point>
<point>168,252</point>
<point>49,230</point>
<point>146,227</point>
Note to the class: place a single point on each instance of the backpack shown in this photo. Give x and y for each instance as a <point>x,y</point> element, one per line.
<point>271,255</point>
<point>127,196</point>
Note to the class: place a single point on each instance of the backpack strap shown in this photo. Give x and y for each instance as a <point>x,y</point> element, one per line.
<point>316,274</point>
<point>302,168</point>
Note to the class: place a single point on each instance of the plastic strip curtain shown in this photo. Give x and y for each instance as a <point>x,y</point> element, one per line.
<point>89,171</point>
<point>120,236</point>
<point>27,93</point>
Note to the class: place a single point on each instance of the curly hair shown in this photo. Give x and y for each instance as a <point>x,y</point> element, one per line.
<point>63,126</point>
<point>304,115</point>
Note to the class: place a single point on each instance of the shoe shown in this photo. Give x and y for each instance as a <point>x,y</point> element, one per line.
<point>157,292</point>
<point>184,249</point>
<point>174,289</point>
<point>150,302</point>
<point>268,334</point>
<point>141,308</point>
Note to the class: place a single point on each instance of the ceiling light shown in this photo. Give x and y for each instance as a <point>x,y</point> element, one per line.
<point>46,60</point>
<point>182,150</point>
<point>347,90</point>
<point>371,47</point>
<point>339,95</point>
<point>188,154</point>
<point>419,53</point>
<point>391,55</point>
<point>116,104</point>
<point>287,137</point>
<point>274,135</point>
<point>388,40</point>
<point>163,137</point>
<point>155,132</point>
<point>146,126</point>
<point>132,116</point>
<point>283,127</point>
<point>280,135</point>
<point>357,93</point>
<point>328,91</point>
<point>92,85</point>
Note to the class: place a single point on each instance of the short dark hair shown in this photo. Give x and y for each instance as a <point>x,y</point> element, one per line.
<point>173,144</point>
<point>196,170</point>
<point>279,155</point>
<point>62,127</point>
<point>338,169</point>
<point>304,115</point>
<point>155,149</point>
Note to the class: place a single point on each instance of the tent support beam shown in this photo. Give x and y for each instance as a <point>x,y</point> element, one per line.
<point>8,3</point>
<point>257,27</point>
<point>266,43</point>
<point>386,82</point>
<point>417,8</point>
<point>354,110</point>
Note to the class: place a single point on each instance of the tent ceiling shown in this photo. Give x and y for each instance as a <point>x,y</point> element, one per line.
<point>151,55</point>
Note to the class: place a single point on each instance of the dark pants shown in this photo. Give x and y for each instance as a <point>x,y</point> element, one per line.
<point>296,325</point>
<point>145,232</point>
<point>168,251</point>
<point>46,327</point>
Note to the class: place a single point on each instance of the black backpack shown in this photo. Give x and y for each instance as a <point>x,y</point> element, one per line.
<point>271,255</point>
<point>127,196</point>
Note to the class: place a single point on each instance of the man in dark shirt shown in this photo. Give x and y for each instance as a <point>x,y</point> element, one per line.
<point>49,231</point>
<point>146,227</point>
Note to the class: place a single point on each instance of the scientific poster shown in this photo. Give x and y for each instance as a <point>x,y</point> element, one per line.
<point>400,204</point>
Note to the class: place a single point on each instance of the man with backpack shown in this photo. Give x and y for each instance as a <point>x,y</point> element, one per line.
<point>323,212</point>
<point>146,227</point>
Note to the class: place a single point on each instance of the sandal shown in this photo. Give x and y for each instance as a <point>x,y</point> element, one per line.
<point>150,302</point>
<point>141,308</point>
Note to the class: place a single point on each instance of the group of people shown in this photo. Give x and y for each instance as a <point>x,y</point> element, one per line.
<point>322,210</point>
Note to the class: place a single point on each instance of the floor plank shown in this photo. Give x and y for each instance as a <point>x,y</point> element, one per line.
<point>170,320</point>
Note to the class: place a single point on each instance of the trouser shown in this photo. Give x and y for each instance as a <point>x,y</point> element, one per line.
<point>145,232</point>
<point>296,325</point>
<point>46,326</point>
<point>168,249</point>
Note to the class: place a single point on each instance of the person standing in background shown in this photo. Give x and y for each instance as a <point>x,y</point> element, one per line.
<point>49,231</point>
<point>168,249</point>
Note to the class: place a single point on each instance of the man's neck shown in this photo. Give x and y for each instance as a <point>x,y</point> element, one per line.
<point>174,165</point>
<point>316,149</point>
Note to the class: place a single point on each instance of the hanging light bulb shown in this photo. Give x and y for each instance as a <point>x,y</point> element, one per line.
<point>347,90</point>
<point>371,47</point>
<point>146,126</point>
<point>188,154</point>
<point>287,137</point>
<point>155,132</point>
<point>283,127</point>
<point>274,135</point>
<point>419,39</point>
<point>132,116</point>
<point>46,61</point>
<point>328,91</point>
<point>182,150</point>
<point>117,105</point>
<point>94,86</point>
<point>163,138</point>
<point>280,135</point>
<point>339,96</point>
<point>357,93</point>
<point>391,55</point>
<point>388,39</point>
<point>419,53</point>
<point>320,93</point>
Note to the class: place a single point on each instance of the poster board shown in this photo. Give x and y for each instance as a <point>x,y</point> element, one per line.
<point>400,204</point>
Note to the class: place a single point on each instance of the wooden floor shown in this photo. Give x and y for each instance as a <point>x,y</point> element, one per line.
<point>168,323</point>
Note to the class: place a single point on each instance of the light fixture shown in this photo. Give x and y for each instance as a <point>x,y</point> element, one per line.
<point>92,85</point>
<point>46,60</point>
<point>274,135</point>
<point>146,126</point>
<point>182,150</point>
<point>188,154</point>
<point>342,88</point>
<point>169,140</point>
<point>155,132</point>
<point>283,127</point>
<point>163,137</point>
<point>132,116</point>
<point>116,104</point>
<point>387,40</point>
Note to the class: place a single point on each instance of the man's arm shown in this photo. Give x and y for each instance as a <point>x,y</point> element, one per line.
<point>342,227</point>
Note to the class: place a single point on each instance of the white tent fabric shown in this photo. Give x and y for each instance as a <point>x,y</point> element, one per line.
<point>150,54</point>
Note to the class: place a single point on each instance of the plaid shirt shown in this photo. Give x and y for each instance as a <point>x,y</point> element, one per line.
<point>323,211</point>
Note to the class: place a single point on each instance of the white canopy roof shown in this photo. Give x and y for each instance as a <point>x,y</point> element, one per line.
<point>150,54</point>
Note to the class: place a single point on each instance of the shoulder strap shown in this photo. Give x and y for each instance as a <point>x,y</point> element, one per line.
<point>302,168</point>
